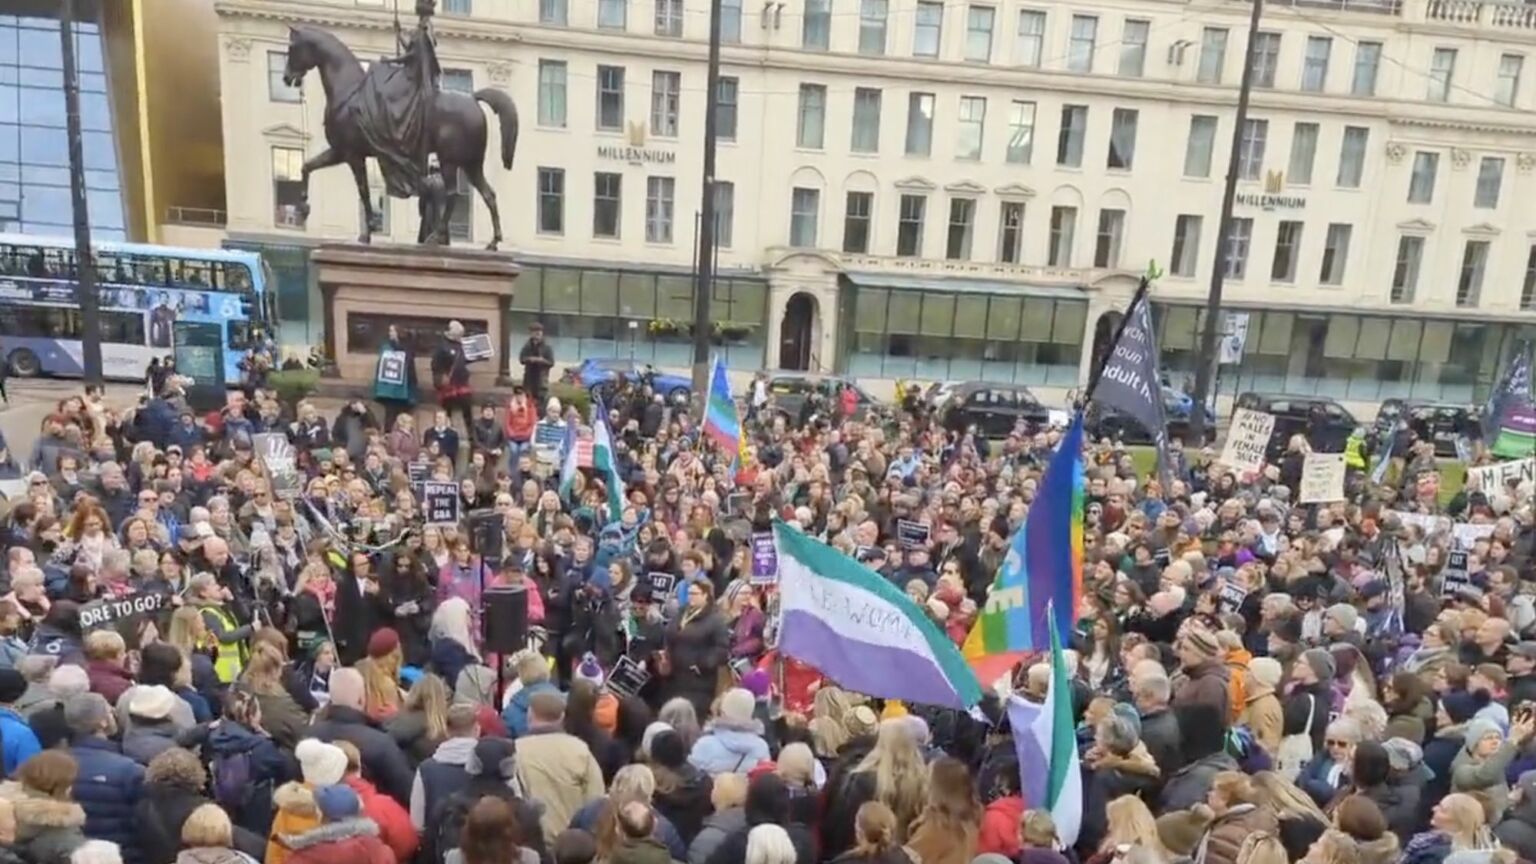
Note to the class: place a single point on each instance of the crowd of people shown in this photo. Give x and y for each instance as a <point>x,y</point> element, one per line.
<point>208,658</point>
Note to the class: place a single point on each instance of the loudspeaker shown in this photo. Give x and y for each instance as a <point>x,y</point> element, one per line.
<point>487,536</point>
<point>505,619</point>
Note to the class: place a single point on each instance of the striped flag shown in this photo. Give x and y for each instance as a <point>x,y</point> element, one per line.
<point>1046,744</point>
<point>605,460</point>
<point>722,422</point>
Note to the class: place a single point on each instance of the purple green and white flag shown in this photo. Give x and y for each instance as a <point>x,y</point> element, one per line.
<point>1046,743</point>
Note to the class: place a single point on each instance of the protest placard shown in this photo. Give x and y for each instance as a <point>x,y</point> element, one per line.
<point>416,471</point>
<point>1454,576</point>
<point>662,585</point>
<point>765,559</point>
<point>1492,478</point>
<point>912,534</point>
<point>627,678</point>
<point>1247,440</point>
<point>478,347</point>
<point>277,457</point>
<point>440,502</point>
<point>546,434</point>
<point>1322,478</point>
<point>108,613</point>
<point>1232,596</point>
<point>391,368</point>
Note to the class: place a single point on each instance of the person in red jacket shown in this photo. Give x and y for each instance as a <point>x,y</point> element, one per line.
<point>1000,822</point>
<point>395,827</point>
<point>347,836</point>
<point>522,416</point>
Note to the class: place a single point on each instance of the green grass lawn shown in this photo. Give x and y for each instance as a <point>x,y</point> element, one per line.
<point>1453,472</point>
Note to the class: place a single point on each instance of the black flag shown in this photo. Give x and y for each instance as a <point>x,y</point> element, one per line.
<point>1129,381</point>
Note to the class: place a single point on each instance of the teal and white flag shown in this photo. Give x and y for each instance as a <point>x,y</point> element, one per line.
<point>605,461</point>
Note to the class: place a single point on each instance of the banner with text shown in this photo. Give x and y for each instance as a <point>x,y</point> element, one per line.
<point>1248,440</point>
<point>1322,478</point>
<point>1129,381</point>
<point>1492,478</point>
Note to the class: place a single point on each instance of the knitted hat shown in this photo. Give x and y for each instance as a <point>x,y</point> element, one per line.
<point>382,642</point>
<point>758,683</point>
<point>736,705</point>
<point>1345,614</point>
<point>668,750</point>
<point>861,721</point>
<point>1479,729</point>
<point>1321,662</point>
<point>152,702</point>
<point>1266,671</point>
<point>590,670</point>
<point>337,802</point>
<point>1460,705</point>
<point>1202,642</point>
<point>1402,754</point>
<point>321,764</point>
<point>656,728</point>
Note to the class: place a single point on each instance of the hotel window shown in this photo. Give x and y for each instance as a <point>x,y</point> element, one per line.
<point>1238,242</point>
<point>458,7</point>
<point>1508,87</point>
<point>669,18</point>
<point>1405,274</point>
<point>1287,249</point>
<point>804,208</point>
<point>909,226</point>
<point>1201,143</point>
<point>962,225</point>
<point>1250,162</point>
<point>929,29</point>
<point>866,120</point>
<point>1303,154</point>
<point>727,107</point>
<point>810,128</point>
<point>1528,290</point>
<point>1352,157</point>
<point>659,192</point>
<point>278,90</point>
<point>1133,47</point>
<point>459,81</point>
<point>1442,69</point>
<point>858,210</point>
<point>1021,132</point>
<point>607,203</point>
<point>872,15</point>
<point>725,212</point>
<point>1266,56</point>
<point>1335,253</point>
<point>1490,177</point>
<point>1213,55</point>
<point>552,93</point>
<point>1069,141</point>
<point>919,124</point>
<point>551,201</point>
<point>612,14</point>
<point>1185,257</point>
<point>1421,184</point>
<point>1063,235</point>
<point>1122,139</point>
<point>730,22</point>
<point>553,12</point>
<point>816,28</point>
<point>1106,247</point>
<point>665,90</point>
<point>1474,260</point>
<point>1030,44</point>
<point>973,121</point>
<point>610,97</point>
<point>1367,62</point>
<point>1080,44</point>
<point>287,186</point>
<point>978,33</point>
<point>1010,245</point>
<point>1314,66</point>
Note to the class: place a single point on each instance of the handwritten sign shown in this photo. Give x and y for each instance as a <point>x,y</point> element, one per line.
<point>107,613</point>
<point>1493,478</point>
<point>765,559</point>
<point>662,584</point>
<point>912,534</point>
<point>627,678</point>
<point>478,347</point>
<point>1454,578</point>
<point>277,457</point>
<point>440,502</point>
<point>1322,478</point>
<point>391,368</point>
<point>1247,440</point>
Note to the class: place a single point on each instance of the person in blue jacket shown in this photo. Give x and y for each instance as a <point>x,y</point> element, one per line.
<point>533,673</point>
<point>17,740</point>
<point>110,784</point>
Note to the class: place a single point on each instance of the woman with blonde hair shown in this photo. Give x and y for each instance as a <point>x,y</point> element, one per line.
<point>189,632</point>
<point>208,837</point>
<point>801,774</point>
<point>1234,802</point>
<point>728,796</point>
<point>1301,820</point>
<point>1129,822</point>
<point>945,832</point>
<point>1262,848</point>
<point>1333,847</point>
<point>422,722</point>
<point>281,716</point>
<point>1457,824</point>
<point>892,773</point>
<point>876,838</point>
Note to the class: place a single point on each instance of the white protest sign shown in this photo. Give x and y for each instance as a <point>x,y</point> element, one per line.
<point>391,368</point>
<point>1322,478</point>
<point>1232,596</point>
<point>1247,440</point>
<point>1491,478</point>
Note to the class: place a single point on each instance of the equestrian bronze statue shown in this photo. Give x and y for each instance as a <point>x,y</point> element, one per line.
<point>396,113</point>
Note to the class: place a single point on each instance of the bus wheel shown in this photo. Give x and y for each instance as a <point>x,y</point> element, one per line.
<point>24,364</point>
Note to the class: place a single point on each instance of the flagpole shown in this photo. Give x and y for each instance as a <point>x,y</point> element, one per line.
<point>1093,380</point>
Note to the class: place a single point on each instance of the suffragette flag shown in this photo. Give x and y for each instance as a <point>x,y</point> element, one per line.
<point>1042,574</point>
<point>605,461</point>
<point>722,423</point>
<point>1509,419</point>
<point>1046,745</point>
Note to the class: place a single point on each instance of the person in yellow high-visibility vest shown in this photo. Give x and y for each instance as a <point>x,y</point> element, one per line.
<point>1354,451</point>
<point>227,633</point>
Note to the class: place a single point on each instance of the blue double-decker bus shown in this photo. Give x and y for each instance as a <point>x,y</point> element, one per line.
<point>205,307</point>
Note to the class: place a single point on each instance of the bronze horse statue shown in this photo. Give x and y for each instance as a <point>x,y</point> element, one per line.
<point>455,130</point>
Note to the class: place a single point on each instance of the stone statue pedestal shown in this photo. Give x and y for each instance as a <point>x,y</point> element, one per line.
<point>419,289</point>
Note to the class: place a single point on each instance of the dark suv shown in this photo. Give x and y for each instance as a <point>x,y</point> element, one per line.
<point>1444,423</point>
<point>1325,422</point>
<point>994,409</point>
<point>789,392</point>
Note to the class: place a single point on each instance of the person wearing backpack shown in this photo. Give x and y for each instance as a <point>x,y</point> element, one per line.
<point>173,789</point>
<point>492,773</point>
<point>245,766</point>
<point>443,774</point>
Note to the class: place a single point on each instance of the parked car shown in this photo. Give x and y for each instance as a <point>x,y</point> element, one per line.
<point>1326,423</point>
<point>789,392</point>
<point>994,409</point>
<point>1446,424</point>
<point>1117,426</point>
<point>602,377</point>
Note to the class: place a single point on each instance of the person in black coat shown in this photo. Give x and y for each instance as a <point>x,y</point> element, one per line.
<point>362,606</point>
<point>384,763</point>
<point>1116,765</point>
<point>1371,774</point>
<point>1517,830</point>
<point>1310,696</point>
<point>450,376</point>
<point>173,788</point>
<point>698,644</point>
<point>411,600</point>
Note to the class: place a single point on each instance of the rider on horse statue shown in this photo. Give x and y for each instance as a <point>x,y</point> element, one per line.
<point>395,106</point>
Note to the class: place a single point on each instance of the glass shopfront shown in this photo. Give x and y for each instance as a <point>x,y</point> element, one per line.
<point>1362,358</point>
<point>593,312</point>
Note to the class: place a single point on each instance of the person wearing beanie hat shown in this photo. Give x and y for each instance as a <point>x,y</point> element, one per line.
<point>733,743</point>
<point>345,837</point>
<point>1261,707</point>
<point>1206,681</point>
<point>320,765</point>
<point>152,731</point>
<point>17,740</point>
<point>1481,766</point>
<point>1309,696</point>
<point>343,719</point>
<point>1455,712</point>
<point>1340,623</point>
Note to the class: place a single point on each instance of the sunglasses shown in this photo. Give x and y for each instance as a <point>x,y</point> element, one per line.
<point>1335,743</point>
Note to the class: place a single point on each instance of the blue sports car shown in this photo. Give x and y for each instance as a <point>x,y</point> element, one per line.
<point>602,377</point>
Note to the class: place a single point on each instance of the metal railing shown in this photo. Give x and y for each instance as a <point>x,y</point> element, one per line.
<point>196,216</point>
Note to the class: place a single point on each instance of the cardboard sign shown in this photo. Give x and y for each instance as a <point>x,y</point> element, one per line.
<point>478,347</point>
<point>417,472</point>
<point>1232,596</point>
<point>440,502</point>
<point>277,457</point>
<point>546,434</point>
<point>912,534</point>
<point>662,585</point>
<point>1322,478</point>
<point>109,613</point>
<point>1454,576</point>
<point>765,559</point>
<point>1494,477</point>
<point>627,678</point>
<point>1247,440</point>
<point>391,368</point>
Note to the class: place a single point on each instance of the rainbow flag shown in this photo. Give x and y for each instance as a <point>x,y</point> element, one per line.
<point>721,422</point>
<point>1042,576</point>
